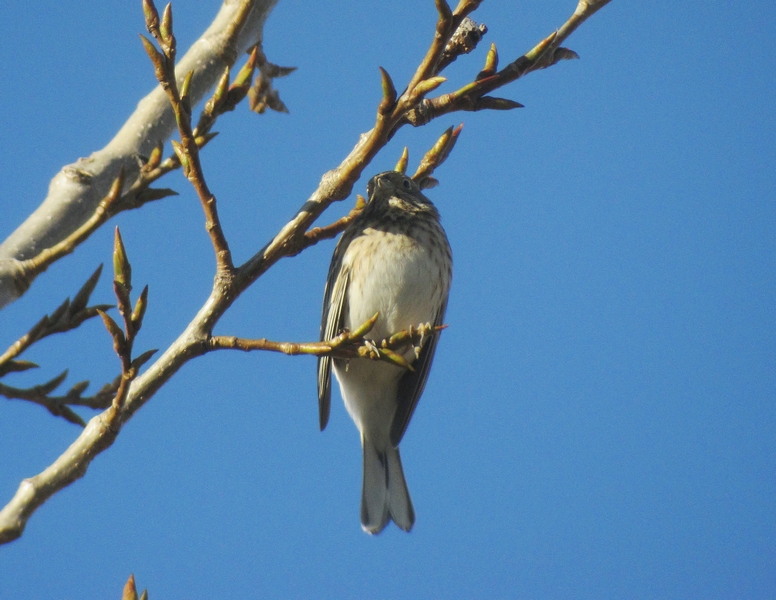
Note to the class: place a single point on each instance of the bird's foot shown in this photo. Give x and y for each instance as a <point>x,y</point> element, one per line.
<point>423,329</point>
<point>374,351</point>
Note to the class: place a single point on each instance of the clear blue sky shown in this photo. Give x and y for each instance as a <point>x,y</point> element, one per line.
<point>600,421</point>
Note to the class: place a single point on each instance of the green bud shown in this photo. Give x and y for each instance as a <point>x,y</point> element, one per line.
<point>389,93</point>
<point>401,166</point>
<point>121,268</point>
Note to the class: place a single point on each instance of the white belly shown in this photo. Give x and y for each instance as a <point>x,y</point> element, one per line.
<point>402,282</point>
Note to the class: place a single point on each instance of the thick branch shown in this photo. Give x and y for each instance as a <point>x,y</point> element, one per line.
<point>69,467</point>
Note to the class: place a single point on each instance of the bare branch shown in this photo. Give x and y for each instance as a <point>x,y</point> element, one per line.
<point>435,157</point>
<point>68,316</point>
<point>316,234</point>
<point>188,151</point>
<point>133,392</point>
<point>59,405</point>
<point>262,95</point>
<point>70,466</point>
<point>353,344</point>
<point>78,189</point>
<point>472,97</point>
<point>391,115</point>
<point>101,431</point>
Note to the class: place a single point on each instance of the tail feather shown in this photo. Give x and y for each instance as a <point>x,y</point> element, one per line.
<point>384,494</point>
<point>402,512</point>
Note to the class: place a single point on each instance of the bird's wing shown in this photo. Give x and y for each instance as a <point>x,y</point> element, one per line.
<point>412,383</point>
<point>331,325</point>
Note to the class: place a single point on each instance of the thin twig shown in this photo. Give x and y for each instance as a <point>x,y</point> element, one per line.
<point>346,345</point>
<point>69,315</point>
<point>187,150</point>
<point>327,232</point>
<point>102,213</point>
<point>473,97</point>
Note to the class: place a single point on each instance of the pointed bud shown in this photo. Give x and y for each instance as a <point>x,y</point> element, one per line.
<point>274,71</point>
<point>491,61</point>
<point>491,64</point>
<point>564,54</point>
<point>154,159</point>
<point>365,327</point>
<point>184,89</point>
<point>389,93</point>
<point>130,592</point>
<point>68,414</point>
<point>39,329</point>
<point>242,82</point>
<point>428,85</point>
<point>437,153</point>
<point>439,148</point>
<point>16,366</point>
<point>59,315</point>
<point>401,166</point>
<point>114,193</point>
<point>540,48</point>
<point>488,102</point>
<point>142,359</point>
<point>48,387</point>
<point>121,267</point>
<point>450,144</point>
<point>274,102</point>
<point>119,341</point>
<point>165,29</point>
<point>219,95</point>
<point>151,16</point>
<point>157,58</point>
<point>360,202</point>
<point>79,388</point>
<point>81,299</point>
<point>469,87</point>
<point>182,158</point>
<point>151,194</point>
<point>245,74</point>
<point>395,358</point>
<point>202,140</point>
<point>140,309</point>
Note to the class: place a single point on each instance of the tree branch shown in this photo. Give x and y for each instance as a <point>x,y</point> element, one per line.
<point>472,96</point>
<point>68,316</point>
<point>77,189</point>
<point>335,185</point>
<point>348,344</point>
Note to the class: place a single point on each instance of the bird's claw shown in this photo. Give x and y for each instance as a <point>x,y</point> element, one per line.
<point>374,351</point>
<point>423,329</point>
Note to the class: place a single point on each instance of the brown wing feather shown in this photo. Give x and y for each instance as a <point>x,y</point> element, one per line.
<point>331,325</point>
<point>412,383</point>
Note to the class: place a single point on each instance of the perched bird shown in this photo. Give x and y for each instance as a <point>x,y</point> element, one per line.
<point>393,259</point>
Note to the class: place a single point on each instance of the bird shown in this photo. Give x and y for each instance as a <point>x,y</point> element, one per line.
<point>393,259</point>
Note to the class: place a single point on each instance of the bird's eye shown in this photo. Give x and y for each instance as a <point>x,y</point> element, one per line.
<point>406,184</point>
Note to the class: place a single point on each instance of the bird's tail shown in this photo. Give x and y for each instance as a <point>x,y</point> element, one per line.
<point>384,494</point>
